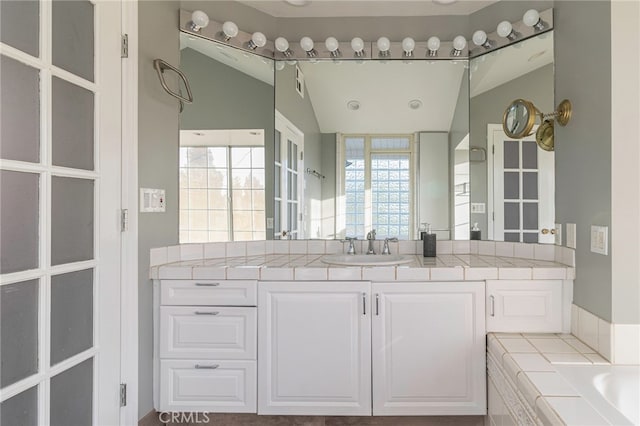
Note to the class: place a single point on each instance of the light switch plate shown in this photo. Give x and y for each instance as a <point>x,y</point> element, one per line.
<point>152,200</point>
<point>269,223</point>
<point>478,208</point>
<point>571,235</point>
<point>558,234</point>
<point>599,239</point>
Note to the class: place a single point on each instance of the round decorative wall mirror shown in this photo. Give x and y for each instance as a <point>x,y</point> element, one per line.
<point>520,118</point>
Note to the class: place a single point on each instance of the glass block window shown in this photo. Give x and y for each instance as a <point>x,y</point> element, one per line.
<point>222,195</point>
<point>378,185</point>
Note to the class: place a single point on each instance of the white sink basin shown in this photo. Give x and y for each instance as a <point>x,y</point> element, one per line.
<point>367,259</point>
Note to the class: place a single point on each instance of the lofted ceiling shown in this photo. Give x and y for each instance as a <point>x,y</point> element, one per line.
<point>350,8</point>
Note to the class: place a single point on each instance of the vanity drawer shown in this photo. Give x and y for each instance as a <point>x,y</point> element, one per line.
<point>208,332</point>
<point>208,386</point>
<point>208,292</point>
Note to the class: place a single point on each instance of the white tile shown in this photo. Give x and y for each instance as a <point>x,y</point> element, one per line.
<point>281,247</point>
<point>546,414</point>
<point>544,252</point>
<point>243,273</point>
<point>580,347</point>
<point>158,256</point>
<point>447,274</point>
<point>310,274</point>
<point>558,254</point>
<point>527,389</point>
<point>550,384</point>
<point>237,249</point>
<point>532,362</point>
<point>569,257</point>
<point>173,254</point>
<point>385,273</point>
<point>626,339</point>
<point>215,250</point>
<point>461,247</point>
<point>333,247</point>
<point>412,274</point>
<point>269,246</point>
<point>209,273</point>
<point>472,274</point>
<point>511,367</point>
<point>514,273</point>
<point>596,359</point>
<point>574,320</point>
<point>256,248</point>
<point>504,249</point>
<point>496,349</point>
<point>605,338</point>
<point>540,335</point>
<point>523,250</point>
<point>515,345</point>
<point>588,328</point>
<point>575,411</point>
<point>316,246</point>
<point>298,247</point>
<point>347,274</point>
<point>444,247</point>
<point>406,247</point>
<point>549,273</point>
<point>276,274</point>
<point>473,247</point>
<point>554,346</point>
<point>191,252</point>
<point>174,272</point>
<point>567,358</point>
<point>486,248</point>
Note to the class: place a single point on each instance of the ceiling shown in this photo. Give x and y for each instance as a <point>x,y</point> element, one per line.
<point>350,8</point>
<point>383,95</point>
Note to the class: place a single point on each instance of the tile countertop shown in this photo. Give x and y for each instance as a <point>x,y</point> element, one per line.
<point>306,267</point>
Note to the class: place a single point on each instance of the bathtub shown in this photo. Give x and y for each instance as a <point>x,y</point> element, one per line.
<point>612,390</point>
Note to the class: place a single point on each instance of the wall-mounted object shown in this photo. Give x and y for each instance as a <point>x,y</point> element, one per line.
<point>161,66</point>
<point>315,173</point>
<point>520,117</point>
<point>477,154</point>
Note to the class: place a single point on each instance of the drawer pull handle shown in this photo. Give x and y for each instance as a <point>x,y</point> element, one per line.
<point>377,304</point>
<point>207,284</point>
<point>492,308</point>
<point>206,313</point>
<point>207,367</point>
<point>364,303</point>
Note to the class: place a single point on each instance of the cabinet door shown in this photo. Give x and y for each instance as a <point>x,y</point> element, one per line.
<point>314,348</point>
<point>428,349</point>
<point>524,306</point>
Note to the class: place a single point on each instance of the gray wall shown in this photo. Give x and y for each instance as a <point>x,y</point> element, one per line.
<point>157,166</point>
<point>329,169</point>
<point>458,131</point>
<point>225,98</point>
<point>583,147</point>
<point>488,107</point>
<point>299,111</point>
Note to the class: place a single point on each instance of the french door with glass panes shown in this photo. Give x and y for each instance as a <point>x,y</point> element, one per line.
<point>521,189</point>
<point>60,197</point>
<point>289,184</point>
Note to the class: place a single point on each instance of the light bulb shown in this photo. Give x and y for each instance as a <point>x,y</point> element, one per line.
<point>306,43</point>
<point>408,44</point>
<point>279,65</point>
<point>459,43</point>
<point>332,44</point>
<point>383,44</point>
<point>504,29</point>
<point>199,19</point>
<point>531,17</point>
<point>258,39</point>
<point>433,44</point>
<point>230,30</point>
<point>357,44</point>
<point>479,38</point>
<point>282,45</point>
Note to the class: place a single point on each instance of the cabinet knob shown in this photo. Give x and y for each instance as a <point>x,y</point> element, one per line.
<point>546,231</point>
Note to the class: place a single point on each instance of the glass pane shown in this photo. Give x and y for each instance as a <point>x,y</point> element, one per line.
<point>530,185</point>
<point>198,178</point>
<point>530,215</point>
<point>241,199</point>
<point>19,108</point>
<point>19,207</point>
<point>197,157</point>
<point>511,215</point>
<point>242,221</point>
<point>72,395</point>
<point>198,220</point>
<point>289,153</point>
<point>396,144</point>
<point>71,314</point>
<point>294,159</point>
<point>22,409</point>
<point>71,220</point>
<point>217,198</point>
<point>19,328</point>
<point>257,157</point>
<point>240,157</point>
<point>513,237</point>
<point>218,220</point>
<point>277,228</point>
<point>511,185</point>
<point>277,186</point>
<point>72,125</point>
<point>20,25</point>
<point>511,155</point>
<point>390,188</point>
<point>72,42</point>
<point>529,155</point>
<point>197,199</point>
<point>530,237</point>
<point>217,157</point>
<point>277,146</point>
<point>257,179</point>
<point>241,178</point>
<point>218,178</point>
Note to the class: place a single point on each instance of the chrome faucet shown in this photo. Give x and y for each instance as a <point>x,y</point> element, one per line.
<point>371,236</point>
<point>385,248</point>
<point>352,248</point>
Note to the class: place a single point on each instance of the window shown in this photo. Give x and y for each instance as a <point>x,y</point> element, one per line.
<point>378,185</point>
<point>222,195</point>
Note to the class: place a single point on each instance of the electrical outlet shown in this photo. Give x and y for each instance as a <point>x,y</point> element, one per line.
<point>558,234</point>
<point>478,208</point>
<point>599,239</point>
<point>152,200</point>
<point>571,235</point>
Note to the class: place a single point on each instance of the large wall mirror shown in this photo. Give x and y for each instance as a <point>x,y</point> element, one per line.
<point>512,193</point>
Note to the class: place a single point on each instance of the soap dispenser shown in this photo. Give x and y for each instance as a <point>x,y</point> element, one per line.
<point>422,230</point>
<point>475,232</point>
<point>429,243</point>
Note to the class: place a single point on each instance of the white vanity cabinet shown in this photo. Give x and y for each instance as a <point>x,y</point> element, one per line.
<point>314,348</point>
<point>526,306</point>
<point>428,348</point>
<point>205,346</point>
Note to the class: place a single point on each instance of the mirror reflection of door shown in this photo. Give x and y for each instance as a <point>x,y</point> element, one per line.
<point>289,183</point>
<point>521,183</point>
